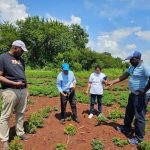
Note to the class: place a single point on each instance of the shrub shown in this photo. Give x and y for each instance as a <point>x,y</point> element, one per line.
<point>70,130</point>
<point>120,143</point>
<point>144,145</point>
<point>15,145</point>
<point>60,147</point>
<point>97,144</point>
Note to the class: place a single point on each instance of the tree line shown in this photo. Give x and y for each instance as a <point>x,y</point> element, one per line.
<point>50,43</point>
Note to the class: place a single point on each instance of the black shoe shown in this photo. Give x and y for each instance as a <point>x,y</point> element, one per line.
<point>123,129</point>
<point>62,121</point>
<point>76,120</point>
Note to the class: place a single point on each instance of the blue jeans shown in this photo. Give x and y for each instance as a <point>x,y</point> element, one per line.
<point>136,108</point>
<point>99,101</point>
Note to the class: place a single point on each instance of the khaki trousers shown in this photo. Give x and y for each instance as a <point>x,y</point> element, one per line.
<point>12,99</point>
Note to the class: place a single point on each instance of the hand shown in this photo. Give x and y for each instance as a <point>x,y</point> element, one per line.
<point>64,94</point>
<point>19,84</point>
<point>109,83</point>
<point>86,92</point>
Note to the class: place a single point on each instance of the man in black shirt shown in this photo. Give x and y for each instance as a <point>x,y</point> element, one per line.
<point>13,90</point>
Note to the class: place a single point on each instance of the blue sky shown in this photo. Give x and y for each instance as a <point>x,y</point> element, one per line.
<point>115,26</point>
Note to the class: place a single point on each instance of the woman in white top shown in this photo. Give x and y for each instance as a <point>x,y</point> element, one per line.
<point>95,86</point>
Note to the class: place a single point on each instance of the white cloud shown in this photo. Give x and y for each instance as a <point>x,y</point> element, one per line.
<point>112,42</point>
<point>144,35</point>
<point>11,10</point>
<point>73,19</point>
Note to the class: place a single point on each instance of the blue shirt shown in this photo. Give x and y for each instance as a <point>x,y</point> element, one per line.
<point>65,82</point>
<point>139,77</point>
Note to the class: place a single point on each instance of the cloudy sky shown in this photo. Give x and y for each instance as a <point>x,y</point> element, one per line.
<point>115,26</point>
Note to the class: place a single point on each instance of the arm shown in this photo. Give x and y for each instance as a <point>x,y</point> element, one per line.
<point>9,82</point>
<point>88,88</point>
<point>121,78</point>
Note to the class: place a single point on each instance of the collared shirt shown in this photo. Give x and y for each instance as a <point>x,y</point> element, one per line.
<point>139,77</point>
<point>65,82</point>
<point>96,81</point>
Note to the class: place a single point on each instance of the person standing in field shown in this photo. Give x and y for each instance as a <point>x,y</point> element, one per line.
<point>13,91</point>
<point>66,83</point>
<point>95,86</point>
<point>139,84</point>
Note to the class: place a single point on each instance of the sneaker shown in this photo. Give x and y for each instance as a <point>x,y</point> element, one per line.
<point>90,116</point>
<point>5,145</point>
<point>62,121</point>
<point>24,137</point>
<point>123,129</point>
<point>133,140</point>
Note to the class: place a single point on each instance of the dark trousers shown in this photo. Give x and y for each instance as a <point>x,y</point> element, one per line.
<point>136,108</point>
<point>72,100</point>
<point>99,101</point>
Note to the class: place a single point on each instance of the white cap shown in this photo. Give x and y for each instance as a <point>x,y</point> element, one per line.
<point>21,44</point>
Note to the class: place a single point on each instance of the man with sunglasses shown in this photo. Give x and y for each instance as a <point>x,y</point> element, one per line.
<point>13,91</point>
<point>139,84</point>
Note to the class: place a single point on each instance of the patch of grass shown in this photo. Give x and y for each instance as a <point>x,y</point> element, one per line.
<point>101,119</point>
<point>70,130</point>
<point>15,145</point>
<point>120,143</point>
<point>144,145</point>
<point>97,144</point>
<point>82,98</point>
<point>108,98</point>
<point>69,118</point>
<point>60,146</point>
<point>115,114</point>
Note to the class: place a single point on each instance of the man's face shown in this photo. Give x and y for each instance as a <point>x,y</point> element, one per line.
<point>65,72</point>
<point>134,61</point>
<point>18,51</point>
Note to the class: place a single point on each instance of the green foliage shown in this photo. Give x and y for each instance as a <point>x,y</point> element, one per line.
<point>108,98</point>
<point>120,143</point>
<point>97,144</point>
<point>69,118</point>
<point>101,118</point>
<point>55,108</point>
<point>148,108</point>
<point>70,130</point>
<point>82,98</point>
<point>115,114</point>
<point>120,88</point>
<point>15,145</point>
<point>60,146</point>
<point>144,145</point>
<point>51,42</point>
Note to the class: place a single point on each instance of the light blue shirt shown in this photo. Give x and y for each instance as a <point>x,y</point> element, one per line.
<point>139,77</point>
<point>65,82</point>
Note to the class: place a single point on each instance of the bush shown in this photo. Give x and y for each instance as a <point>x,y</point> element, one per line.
<point>60,147</point>
<point>70,130</point>
<point>15,145</point>
<point>119,142</point>
<point>97,144</point>
<point>144,145</point>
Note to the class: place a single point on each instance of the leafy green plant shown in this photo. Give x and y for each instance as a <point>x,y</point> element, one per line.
<point>55,108</point>
<point>31,128</point>
<point>82,98</point>
<point>120,143</point>
<point>69,118</point>
<point>108,98</point>
<point>15,145</point>
<point>101,118</point>
<point>60,146</point>
<point>37,120</point>
<point>148,108</point>
<point>115,114</point>
<point>97,144</point>
<point>70,130</point>
<point>144,145</point>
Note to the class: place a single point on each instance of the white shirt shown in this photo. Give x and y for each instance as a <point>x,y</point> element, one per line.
<point>96,81</point>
